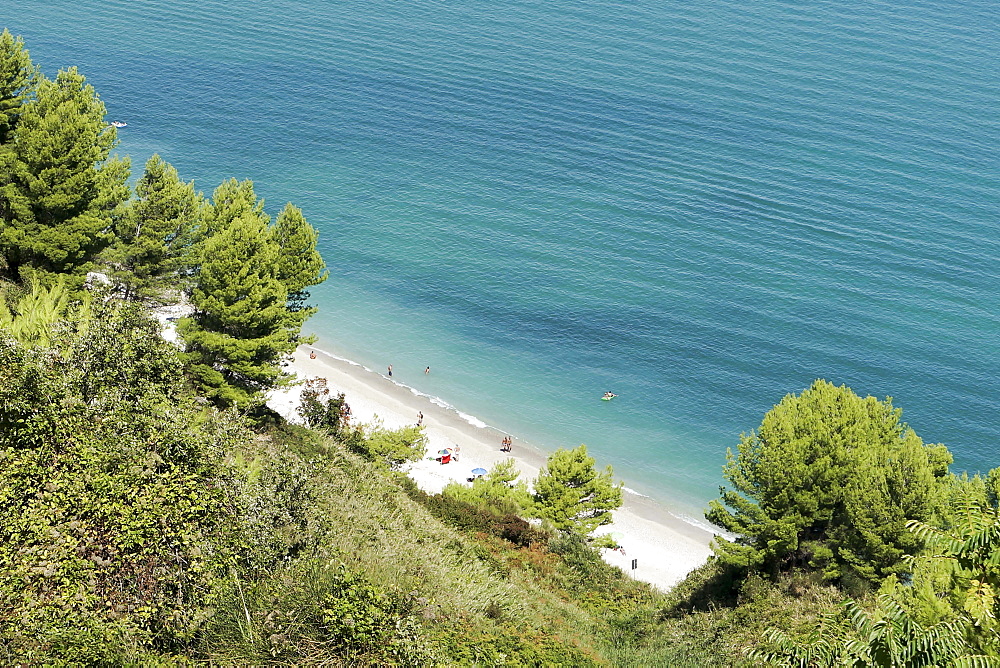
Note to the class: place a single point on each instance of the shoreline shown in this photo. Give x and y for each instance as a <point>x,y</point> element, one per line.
<point>665,546</point>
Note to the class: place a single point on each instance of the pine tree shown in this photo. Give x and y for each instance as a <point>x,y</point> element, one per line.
<point>157,236</point>
<point>241,329</point>
<point>248,294</point>
<point>59,192</point>
<point>573,495</point>
<point>299,265</point>
<point>231,200</point>
<point>18,78</point>
<point>829,481</point>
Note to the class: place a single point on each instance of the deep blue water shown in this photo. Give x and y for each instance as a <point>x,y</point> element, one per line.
<point>702,206</point>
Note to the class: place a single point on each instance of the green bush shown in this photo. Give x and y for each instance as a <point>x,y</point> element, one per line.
<point>469,518</point>
<point>356,615</point>
<point>499,491</point>
<point>474,645</point>
<point>320,410</point>
<point>828,482</point>
<point>587,573</point>
<point>111,501</point>
<point>390,448</point>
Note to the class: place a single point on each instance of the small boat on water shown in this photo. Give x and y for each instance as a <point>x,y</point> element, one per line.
<point>119,124</point>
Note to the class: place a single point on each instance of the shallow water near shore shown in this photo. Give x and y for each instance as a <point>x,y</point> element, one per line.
<point>700,206</point>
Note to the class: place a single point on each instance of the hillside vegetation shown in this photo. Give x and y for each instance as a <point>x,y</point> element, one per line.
<point>139,525</point>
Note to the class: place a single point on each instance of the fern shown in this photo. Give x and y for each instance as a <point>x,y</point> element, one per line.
<point>31,317</point>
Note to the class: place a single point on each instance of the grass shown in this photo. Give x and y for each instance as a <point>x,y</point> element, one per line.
<point>435,581</point>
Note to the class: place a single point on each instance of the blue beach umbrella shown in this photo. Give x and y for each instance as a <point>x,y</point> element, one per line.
<point>479,471</point>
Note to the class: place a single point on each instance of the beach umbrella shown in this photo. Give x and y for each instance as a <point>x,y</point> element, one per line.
<point>446,451</point>
<point>479,471</point>
<point>616,536</point>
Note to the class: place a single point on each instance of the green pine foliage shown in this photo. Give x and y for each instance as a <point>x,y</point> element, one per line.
<point>59,190</point>
<point>18,77</point>
<point>573,495</point>
<point>64,200</point>
<point>498,491</point>
<point>248,296</point>
<point>829,481</point>
<point>157,235</point>
<point>241,330</point>
<point>232,200</point>
<point>299,263</point>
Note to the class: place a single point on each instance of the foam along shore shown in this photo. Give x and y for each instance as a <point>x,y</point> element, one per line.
<point>665,548</point>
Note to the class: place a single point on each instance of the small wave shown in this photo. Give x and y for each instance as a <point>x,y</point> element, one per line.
<point>702,524</point>
<point>438,401</point>
<point>339,358</point>
<point>632,491</point>
<point>471,419</point>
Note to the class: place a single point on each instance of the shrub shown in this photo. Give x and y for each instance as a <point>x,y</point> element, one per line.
<point>469,518</point>
<point>356,615</point>
<point>111,507</point>
<point>387,447</point>
<point>499,491</point>
<point>319,410</point>
<point>472,645</point>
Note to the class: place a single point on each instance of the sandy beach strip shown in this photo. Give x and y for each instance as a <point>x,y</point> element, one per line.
<point>665,548</point>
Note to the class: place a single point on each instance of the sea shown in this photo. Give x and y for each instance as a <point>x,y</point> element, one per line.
<point>701,206</point>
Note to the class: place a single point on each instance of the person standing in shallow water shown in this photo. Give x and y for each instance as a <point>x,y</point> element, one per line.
<point>390,371</point>
<point>427,370</point>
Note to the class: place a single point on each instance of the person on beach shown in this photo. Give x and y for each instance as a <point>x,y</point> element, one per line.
<point>390,371</point>
<point>420,418</point>
<point>312,354</point>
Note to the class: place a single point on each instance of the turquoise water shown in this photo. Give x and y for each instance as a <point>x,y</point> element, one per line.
<point>702,206</point>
